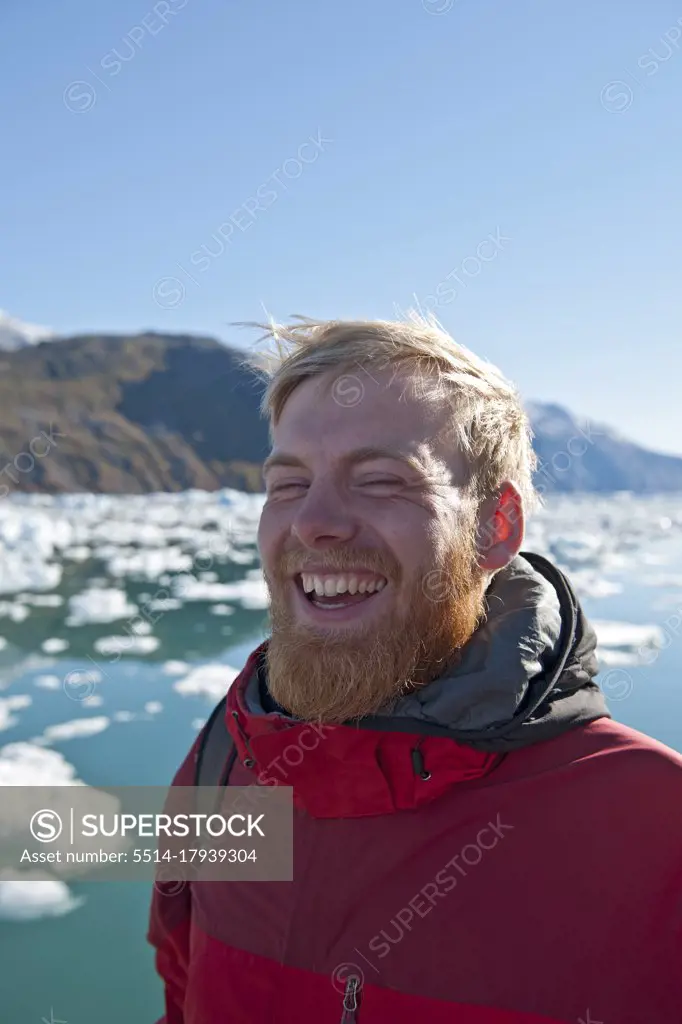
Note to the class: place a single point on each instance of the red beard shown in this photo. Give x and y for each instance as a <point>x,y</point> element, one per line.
<point>332,675</point>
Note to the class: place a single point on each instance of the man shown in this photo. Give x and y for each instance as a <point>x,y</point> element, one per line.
<point>475,839</point>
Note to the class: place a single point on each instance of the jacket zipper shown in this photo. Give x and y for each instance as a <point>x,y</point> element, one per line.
<point>351,1001</point>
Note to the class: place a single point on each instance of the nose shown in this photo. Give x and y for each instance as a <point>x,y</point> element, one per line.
<point>323,518</point>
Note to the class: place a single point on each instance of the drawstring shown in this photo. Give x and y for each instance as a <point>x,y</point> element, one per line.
<point>351,1000</point>
<point>418,763</point>
<point>248,762</point>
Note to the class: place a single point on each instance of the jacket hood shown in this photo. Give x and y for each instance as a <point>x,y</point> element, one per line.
<point>526,675</point>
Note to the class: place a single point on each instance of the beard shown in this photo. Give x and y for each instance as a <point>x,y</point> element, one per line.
<point>335,675</point>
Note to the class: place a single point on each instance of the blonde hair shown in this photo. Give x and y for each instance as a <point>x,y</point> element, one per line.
<point>489,422</point>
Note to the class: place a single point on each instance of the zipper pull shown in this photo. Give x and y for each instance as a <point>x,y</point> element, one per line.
<point>351,1001</point>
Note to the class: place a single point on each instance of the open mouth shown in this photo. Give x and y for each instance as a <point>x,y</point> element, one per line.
<point>332,591</point>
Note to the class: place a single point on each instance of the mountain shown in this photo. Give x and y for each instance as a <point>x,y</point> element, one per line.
<point>16,333</point>
<point>157,412</point>
<point>582,455</point>
<point>129,414</point>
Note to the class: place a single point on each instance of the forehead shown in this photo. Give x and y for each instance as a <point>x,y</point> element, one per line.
<point>337,412</point>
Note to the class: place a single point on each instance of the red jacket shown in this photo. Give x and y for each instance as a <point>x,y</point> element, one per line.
<point>532,873</point>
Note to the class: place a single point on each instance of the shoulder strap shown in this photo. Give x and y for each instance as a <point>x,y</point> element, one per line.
<point>216,751</point>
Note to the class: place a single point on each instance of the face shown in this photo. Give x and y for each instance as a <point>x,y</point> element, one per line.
<point>368,546</point>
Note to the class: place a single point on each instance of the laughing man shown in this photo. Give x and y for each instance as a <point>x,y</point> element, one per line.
<point>476,840</point>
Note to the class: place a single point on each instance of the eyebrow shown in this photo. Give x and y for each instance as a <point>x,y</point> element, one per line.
<point>366,454</point>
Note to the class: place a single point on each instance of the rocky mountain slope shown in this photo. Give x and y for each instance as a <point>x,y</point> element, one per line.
<point>156,412</point>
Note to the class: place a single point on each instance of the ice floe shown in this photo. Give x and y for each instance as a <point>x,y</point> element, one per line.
<point>249,593</point>
<point>221,609</point>
<point>75,729</point>
<point>54,645</point>
<point>174,668</point>
<point>625,643</point>
<point>35,896</point>
<point>41,600</point>
<point>14,611</point>
<point>117,645</point>
<point>10,704</point>
<point>23,764</point>
<point>48,682</point>
<point>30,894</point>
<point>627,634</point>
<point>210,680</point>
<point>99,604</point>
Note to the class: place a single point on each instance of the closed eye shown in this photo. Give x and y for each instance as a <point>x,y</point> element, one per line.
<point>291,485</point>
<point>381,482</point>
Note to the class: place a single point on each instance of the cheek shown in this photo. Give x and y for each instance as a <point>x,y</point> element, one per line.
<point>411,534</point>
<point>271,532</point>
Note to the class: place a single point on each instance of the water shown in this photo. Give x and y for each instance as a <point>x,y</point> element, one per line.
<point>92,963</point>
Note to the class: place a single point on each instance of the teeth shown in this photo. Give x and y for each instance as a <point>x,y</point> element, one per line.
<point>330,586</point>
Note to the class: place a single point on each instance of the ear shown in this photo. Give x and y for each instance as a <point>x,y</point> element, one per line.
<point>500,528</point>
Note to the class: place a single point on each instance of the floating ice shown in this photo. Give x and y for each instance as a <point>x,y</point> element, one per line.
<point>78,554</point>
<point>627,634</point>
<point>36,896</point>
<point>153,707</point>
<point>54,645</point>
<point>110,645</point>
<point>21,572</point>
<point>161,604</point>
<point>99,604</point>
<point>3,643</point>
<point>587,583</point>
<point>23,764</point>
<point>150,564</point>
<point>14,611</point>
<point>75,729</point>
<point>221,609</point>
<point>10,704</point>
<point>249,593</point>
<point>189,588</point>
<point>618,658</point>
<point>174,668</point>
<point>42,600</point>
<point>29,765</point>
<point>212,680</point>
<point>48,682</point>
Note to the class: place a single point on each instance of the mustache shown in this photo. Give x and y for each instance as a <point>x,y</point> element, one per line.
<point>337,560</point>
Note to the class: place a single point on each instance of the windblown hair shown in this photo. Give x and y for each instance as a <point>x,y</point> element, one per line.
<point>489,423</point>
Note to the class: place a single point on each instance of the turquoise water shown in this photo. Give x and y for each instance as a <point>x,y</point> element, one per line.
<point>93,964</point>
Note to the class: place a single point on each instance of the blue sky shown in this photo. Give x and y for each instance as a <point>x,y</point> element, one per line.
<point>137,133</point>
